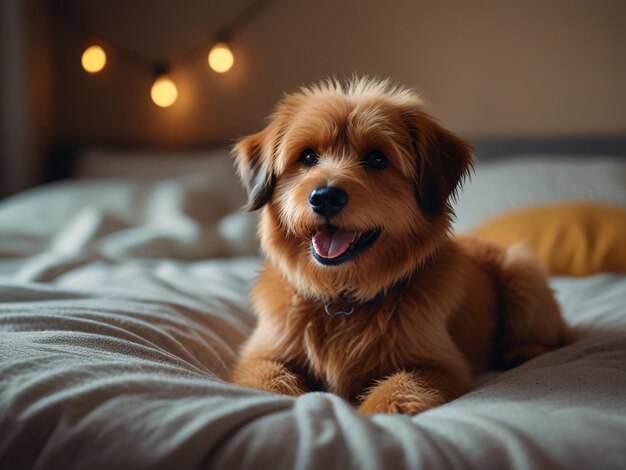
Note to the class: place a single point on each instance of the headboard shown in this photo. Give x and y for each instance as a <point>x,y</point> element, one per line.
<point>62,156</point>
<point>487,149</point>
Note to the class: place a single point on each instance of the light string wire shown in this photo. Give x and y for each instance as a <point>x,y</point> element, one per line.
<point>70,18</point>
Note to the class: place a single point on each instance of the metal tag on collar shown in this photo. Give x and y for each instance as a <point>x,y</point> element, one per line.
<point>344,311</point>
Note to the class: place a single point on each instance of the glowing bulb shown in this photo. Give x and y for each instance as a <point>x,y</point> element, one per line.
<point>221,58</point>
<point>93,59</point>
<point>164,91</point>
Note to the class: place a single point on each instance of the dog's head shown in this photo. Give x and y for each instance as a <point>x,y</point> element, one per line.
<point>355,182</point>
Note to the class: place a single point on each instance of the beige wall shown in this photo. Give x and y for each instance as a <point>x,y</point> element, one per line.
<point>500,67</point>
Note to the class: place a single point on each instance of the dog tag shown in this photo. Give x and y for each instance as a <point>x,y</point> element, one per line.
<point>344,312</point>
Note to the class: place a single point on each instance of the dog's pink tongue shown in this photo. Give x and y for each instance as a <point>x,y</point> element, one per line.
<point>332,243</point>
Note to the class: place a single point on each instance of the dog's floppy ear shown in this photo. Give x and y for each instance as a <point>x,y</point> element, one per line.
<point>443,161</point>
<point>254,159</point>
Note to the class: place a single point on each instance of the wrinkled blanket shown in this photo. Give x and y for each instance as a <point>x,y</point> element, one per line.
<point>109,359</point>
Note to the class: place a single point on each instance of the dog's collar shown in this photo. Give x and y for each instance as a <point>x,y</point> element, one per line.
<point>343,306</point>
<point>345,309</point>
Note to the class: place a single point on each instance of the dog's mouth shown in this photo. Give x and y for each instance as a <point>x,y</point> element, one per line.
<point>332,246</point>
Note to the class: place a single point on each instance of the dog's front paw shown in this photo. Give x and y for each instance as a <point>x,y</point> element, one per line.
<point>284,383</point>
<point>270,376</point>
<point>406,404</point>
<point>399,393</point>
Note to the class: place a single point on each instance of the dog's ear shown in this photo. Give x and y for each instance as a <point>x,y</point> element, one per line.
<point>254,159</point>
<point>443,161</point>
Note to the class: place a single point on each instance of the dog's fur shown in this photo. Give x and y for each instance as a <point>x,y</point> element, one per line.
<point>429,310</point>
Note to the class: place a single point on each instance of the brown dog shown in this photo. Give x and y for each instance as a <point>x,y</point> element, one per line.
<point>364,293</point>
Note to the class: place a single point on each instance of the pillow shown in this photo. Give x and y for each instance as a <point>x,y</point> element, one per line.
<point>575,239</point>
<point>154,165</point>
<point>520,181</point>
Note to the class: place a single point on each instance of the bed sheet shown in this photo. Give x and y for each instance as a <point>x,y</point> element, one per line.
<point>112,357</point>
<point>122,366</point>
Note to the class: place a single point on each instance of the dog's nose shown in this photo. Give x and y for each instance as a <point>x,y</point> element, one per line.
<point>328,200</point>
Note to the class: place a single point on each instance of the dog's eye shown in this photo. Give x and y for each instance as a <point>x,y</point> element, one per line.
<point>376,160</point>
<point>309,157</point>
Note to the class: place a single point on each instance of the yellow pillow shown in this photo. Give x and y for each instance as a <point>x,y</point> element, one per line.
<point>576,239</point>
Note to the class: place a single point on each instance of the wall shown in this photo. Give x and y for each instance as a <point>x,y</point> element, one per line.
<point>15,117</point>
<point>25,93</point>
<point>487,67</point>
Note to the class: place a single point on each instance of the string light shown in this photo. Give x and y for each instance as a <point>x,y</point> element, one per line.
<point>221,58</point>
<point>163,91</point>
<point>93,59</point>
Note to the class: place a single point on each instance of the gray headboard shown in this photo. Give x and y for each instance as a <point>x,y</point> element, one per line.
<point>493,148</point>
<point>62,156</point>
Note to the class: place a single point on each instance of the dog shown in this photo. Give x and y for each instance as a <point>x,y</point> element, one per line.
<point>364,292</point>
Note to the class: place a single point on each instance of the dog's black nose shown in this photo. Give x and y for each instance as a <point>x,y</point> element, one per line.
<point>328,200</point>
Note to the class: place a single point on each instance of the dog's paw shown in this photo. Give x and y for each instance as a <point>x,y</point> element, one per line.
<point>285,383</point>
<point>270,376</point>
<point>408,405</point>
<point>400,393</point>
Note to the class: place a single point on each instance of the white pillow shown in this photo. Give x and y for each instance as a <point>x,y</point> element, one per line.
<point>152,165</point>
<point>528,180</point>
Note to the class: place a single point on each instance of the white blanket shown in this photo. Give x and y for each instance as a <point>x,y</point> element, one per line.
<point>116,334</point>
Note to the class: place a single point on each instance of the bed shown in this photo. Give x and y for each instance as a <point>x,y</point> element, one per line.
<point>123,304</point>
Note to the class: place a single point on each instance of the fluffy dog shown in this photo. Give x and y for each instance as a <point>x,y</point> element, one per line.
<point>364,293</point>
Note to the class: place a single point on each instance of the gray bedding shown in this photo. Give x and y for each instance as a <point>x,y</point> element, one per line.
<point>131,376</point>
<point>116,333</point>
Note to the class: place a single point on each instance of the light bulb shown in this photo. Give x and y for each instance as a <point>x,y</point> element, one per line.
<point>221,58</point>
<point>164,91</point>
<point>93,59</point>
